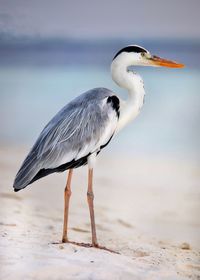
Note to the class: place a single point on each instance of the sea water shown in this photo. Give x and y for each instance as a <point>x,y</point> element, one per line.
<point>168,124</point>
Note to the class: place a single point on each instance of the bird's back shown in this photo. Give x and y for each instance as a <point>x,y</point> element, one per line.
<point>80,128</point>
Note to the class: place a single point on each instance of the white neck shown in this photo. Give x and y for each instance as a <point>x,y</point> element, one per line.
<point>131,81</point>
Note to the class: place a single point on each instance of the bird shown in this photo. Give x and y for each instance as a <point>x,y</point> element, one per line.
<point>81,129</point>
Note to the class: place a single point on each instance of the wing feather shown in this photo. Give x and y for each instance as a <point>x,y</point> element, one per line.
<point>80,128</point>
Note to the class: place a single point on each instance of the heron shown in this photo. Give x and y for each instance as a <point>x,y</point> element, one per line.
<point>82,128</point>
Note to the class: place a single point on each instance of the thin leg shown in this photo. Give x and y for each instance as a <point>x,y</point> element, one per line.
<point>67,195</point>
<point>90,198</point>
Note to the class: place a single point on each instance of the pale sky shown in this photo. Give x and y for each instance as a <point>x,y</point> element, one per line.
<point>101,18</point>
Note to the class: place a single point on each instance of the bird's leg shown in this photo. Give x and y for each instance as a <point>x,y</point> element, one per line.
<point>90,198</point>
<point>67,194</point>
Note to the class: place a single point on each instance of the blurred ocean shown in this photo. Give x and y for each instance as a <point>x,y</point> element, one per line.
<point>38,77</point>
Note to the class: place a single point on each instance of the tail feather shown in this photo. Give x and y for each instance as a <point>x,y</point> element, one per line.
<point>26,173</point>
<point>31,171</point>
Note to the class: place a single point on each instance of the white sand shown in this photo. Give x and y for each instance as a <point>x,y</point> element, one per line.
<point>145,209</point>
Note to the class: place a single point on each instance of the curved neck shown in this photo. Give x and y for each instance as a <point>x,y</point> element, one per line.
<point>131,81</point>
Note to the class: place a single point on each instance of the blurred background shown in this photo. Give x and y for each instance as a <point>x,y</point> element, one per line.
<point>51,52</point>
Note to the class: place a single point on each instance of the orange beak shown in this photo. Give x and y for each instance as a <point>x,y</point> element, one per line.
<point>157,61</point>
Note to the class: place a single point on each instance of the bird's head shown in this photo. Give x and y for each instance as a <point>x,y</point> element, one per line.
<point>136,55</point>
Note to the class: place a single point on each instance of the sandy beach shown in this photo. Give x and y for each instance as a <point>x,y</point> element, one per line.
<point>146,209</point>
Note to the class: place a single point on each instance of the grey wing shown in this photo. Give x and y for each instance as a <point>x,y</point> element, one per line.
<point>79,129</point>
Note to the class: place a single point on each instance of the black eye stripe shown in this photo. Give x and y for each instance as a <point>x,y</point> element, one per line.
<point>135,49</point>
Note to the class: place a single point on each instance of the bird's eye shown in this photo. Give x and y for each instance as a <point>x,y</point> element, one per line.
<point>143,54</point>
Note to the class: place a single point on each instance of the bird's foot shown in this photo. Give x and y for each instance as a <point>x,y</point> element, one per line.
<point>65,240</point>
<point>104,248</point>
<point>86,245</point>
<point>96,245</point>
